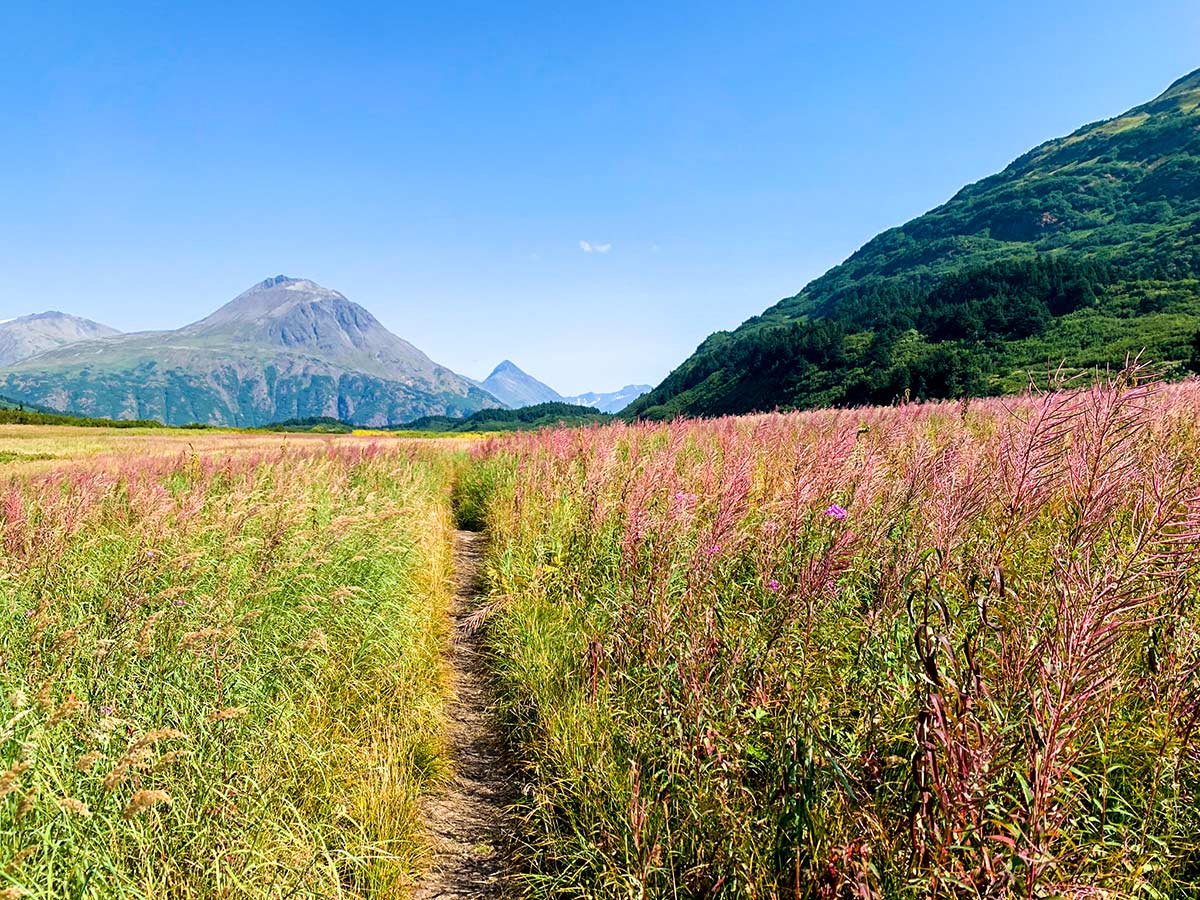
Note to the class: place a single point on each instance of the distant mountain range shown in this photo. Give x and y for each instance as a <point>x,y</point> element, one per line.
<point>1081,251</point>
<point>517,389</point>
<point>612,402</point>
<point>29,335</point>
<point>286,348</point>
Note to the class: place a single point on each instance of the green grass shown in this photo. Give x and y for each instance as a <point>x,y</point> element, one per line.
<point>223,676</point>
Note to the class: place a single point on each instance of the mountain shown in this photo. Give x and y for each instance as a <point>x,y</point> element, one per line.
<point>1082,250</point>
<point>612,402</point>
<point>515,388</point>
<point>518,389</point>
<point>29,335</point>
<point>284,349</point>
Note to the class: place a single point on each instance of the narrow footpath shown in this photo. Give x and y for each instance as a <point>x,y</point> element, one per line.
<point>468,821</point>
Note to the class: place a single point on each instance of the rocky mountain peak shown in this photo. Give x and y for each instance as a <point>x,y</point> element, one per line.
<point>515,388</point>
<point>274,298</point>
<point>507,367</point>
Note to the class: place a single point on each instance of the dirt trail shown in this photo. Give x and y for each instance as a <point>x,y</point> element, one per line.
<point>468,821</point>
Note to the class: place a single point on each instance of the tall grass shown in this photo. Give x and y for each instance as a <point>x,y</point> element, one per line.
<point>944,650</point>
<point>222,675</point>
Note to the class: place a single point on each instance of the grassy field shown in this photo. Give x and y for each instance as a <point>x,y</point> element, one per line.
<point>942,650</point>
<point>939,650</point>
<point>222,663</point>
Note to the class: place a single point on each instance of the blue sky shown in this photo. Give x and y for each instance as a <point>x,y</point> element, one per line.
<point>449,165</point>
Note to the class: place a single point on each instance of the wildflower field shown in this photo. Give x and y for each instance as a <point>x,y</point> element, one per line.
<point>221,669</point>
<point>933,650</point>
<point>943,650</point>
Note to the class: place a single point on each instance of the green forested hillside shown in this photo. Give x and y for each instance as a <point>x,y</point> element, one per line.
<point>540,415</point>
<point>1081,251</point>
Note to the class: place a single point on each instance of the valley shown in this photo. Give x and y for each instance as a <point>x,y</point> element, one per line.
<point>782,655</point>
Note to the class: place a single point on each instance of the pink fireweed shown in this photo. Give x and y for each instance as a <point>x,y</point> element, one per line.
<point>969,686</point>
<point>836,512</point>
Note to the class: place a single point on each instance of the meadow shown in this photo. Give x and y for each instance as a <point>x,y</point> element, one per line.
<point>222,663</point>
<point>936,650</point>
<point>929,650</point>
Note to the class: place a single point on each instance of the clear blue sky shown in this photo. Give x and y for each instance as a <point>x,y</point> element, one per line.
<point>441,163</point>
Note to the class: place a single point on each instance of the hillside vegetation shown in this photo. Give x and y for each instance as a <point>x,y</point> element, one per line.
<point>1082,251</point>
<point>15,414</point>
<point>541,415</point>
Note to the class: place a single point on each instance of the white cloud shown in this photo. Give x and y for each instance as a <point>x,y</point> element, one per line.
<point>589,247</point>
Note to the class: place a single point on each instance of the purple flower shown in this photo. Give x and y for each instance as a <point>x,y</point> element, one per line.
<point>179,601</point>
<point>29,613</point>
<point>106,710</point>
<point>773,584</point>
<point>713,550</point>
<point>836,512</point>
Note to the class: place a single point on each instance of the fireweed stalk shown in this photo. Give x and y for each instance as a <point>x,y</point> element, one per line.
<point>943,650</point>
<point>221,674</point>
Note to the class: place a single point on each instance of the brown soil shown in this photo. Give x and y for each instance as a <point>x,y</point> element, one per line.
<point>469,822</point>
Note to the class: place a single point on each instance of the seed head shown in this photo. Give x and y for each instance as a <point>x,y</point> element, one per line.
<point>88,761</point>
<point>224,715</point>
<point>168,759</point>
<point>25,807</point>
<point>144,800</point>
<point>74,807</point>
<point>316,641</point>
<point>10,779</point>
<point>144,645</point>
<point>66,709</point>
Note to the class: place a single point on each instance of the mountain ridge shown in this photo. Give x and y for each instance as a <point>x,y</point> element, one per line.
<point>1081,250</point>
<point>284,348</point>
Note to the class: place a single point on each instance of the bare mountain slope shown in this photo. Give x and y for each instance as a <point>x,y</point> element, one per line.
<point>27,336</point>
